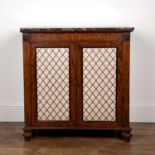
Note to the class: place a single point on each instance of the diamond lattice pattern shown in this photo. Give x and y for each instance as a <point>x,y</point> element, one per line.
<point>99,84</point>
<point>53,84</point>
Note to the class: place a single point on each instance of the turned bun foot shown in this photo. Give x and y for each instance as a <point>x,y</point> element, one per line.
<point>126,135</point>
<point>27,134</point>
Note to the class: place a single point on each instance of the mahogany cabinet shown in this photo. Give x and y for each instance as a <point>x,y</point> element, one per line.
<point>76,78</point>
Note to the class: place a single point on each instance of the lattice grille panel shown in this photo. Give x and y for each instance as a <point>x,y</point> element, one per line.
<point>52,84</point>
<point>99,84</point>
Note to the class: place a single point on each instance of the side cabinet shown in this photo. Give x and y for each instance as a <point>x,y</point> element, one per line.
<point>76,79</point>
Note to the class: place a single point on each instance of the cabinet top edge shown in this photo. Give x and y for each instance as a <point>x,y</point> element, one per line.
<point>72,30</point>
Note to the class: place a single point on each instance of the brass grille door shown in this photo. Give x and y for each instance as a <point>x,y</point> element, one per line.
<point>53,104</point>
<point>99,84</point>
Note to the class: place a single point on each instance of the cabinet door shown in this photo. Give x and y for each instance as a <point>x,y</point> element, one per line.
<point>99,100</point>
<point>53,84</point>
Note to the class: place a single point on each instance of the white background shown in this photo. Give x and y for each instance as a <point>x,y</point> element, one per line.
<point>78,13</point>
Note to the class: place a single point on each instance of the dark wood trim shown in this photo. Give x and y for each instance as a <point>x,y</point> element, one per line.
<point>72,30</point>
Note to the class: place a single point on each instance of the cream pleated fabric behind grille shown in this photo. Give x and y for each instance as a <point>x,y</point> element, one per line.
<point>53,84</point>
<point>99,84</point>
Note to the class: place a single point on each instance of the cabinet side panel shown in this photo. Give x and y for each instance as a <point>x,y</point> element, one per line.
<point>126,70</point>
<point>27,82</point>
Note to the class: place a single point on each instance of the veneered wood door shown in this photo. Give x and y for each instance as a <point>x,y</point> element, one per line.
<point>99,91</point>
<point>53,84</point>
